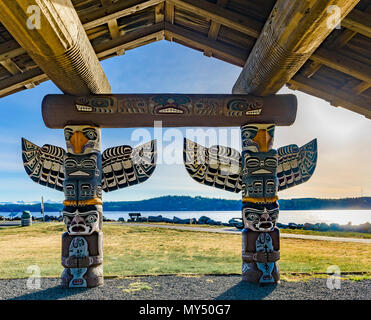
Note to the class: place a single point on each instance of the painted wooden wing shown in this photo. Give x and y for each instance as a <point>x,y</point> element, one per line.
<point>124,166</point>
<point>217,166</point>
<point>44,165</point>
<point>296,165</point>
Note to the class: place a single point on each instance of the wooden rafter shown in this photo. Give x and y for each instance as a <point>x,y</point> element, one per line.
<point>235,55</point>
<point>214,28</point>
<point>169,17</point>
<point>131,40</point>
<point>220,15</point>
<point>291,34</point>
<point>332,94</point>
<point>358,21</point>
<point>115,11</point>
<point>20,80</point>
<point>60,47</point>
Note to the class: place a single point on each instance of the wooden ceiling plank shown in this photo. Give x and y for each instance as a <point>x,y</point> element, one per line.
<point>293,31</point>
<point>60,47</point>
<point>333,95</point>
<point>115,11</point>
<point>221,15</point>
<point>358,21</point>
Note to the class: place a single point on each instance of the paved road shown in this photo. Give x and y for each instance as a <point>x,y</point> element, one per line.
<point>236,231</point>
<point>172,287</point>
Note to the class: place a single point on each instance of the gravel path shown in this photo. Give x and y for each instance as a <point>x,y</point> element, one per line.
<point>225,287</point>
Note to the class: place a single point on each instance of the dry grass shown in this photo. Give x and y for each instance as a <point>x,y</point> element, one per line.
<point>143,250</point>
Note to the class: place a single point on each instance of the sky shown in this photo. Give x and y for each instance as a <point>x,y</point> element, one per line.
<point>344,137</point>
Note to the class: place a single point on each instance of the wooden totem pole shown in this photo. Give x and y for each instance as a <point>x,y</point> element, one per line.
<point>82,173</point>
<point>259,172</point>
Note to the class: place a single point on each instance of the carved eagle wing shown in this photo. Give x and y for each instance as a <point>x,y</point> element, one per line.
<point>44,165</point>
<point>217,166</point>
<point>124,166</point>
<point>296,165</point>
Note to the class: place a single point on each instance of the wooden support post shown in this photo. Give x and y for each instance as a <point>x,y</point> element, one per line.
<point>291,34</point>
<point>52,34</point>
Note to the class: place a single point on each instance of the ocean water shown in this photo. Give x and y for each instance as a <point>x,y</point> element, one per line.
<point>355,217</point>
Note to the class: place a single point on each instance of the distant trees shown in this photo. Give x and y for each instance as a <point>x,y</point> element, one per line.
<point>186,203</point>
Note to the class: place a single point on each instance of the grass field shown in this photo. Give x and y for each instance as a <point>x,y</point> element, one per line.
<point>143,250</point>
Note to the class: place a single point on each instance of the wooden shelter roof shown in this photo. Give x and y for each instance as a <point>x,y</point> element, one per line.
<point>339,71</point>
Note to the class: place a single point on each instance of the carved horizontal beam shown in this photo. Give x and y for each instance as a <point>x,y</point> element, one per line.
<point>174,110</point>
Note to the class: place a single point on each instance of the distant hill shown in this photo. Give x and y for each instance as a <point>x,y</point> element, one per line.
<point>185,203</point>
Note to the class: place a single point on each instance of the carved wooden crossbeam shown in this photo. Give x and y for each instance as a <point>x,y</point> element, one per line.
<point>174,110</point>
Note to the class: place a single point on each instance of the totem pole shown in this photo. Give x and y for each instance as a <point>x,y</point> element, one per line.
<point>82,173</point>
<point>260,237</point>
<point>260,172</point>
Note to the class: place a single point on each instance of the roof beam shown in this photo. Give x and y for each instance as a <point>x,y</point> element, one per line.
<point>235,55</point>
<point>115,11</point>
<point>292,32</point>
<point>131,40</point>
<point>214,28</point>
<point>220,15</point>
<point>339,62</point>
<point>20,80</point>
<point>10,49</point>
<point>58,43</point>
<point>169,17</point>
<point>358,21</point>
<point>333,95</point>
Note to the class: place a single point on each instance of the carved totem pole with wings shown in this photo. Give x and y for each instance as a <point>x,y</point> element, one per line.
<point>82,173</point>
<point>259,172</point>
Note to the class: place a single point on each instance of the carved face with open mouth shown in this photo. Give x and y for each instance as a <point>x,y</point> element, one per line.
<point>171,104</point>
<point>260,217</point>
<point>83,220</point>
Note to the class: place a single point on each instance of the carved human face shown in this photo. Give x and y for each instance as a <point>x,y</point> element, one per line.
<point>82,139</point>
<point>259,174</point>
<point>260,217</point>
<point>82,220</point>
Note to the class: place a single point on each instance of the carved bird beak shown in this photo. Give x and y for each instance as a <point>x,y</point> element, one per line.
<point>78,140</point>
<point>263,139</point>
